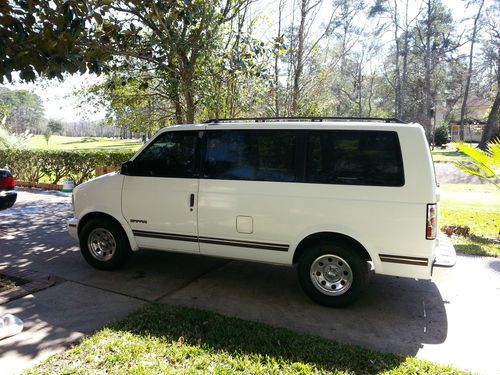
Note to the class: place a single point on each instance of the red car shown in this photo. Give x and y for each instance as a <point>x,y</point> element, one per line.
<point>7,194</point>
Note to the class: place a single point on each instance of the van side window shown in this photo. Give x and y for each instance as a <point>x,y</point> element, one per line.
<point>354,158</point>
<point>172,154</point>
<point>261,155</point>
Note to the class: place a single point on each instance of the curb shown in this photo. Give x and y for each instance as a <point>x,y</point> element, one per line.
<point>40,185</point>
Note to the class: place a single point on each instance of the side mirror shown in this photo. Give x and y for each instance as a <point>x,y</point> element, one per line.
<point>128,168</point>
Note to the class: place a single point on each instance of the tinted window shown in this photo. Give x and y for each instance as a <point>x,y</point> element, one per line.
<point>172,154</point>
<point>354,158</point>
<point>264,155</point>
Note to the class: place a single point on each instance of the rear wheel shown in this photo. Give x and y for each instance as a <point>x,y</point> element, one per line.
<point>332,274</point>
<point>104,244</point>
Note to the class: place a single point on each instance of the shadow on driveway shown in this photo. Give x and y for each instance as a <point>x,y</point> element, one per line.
<point>395,314</point>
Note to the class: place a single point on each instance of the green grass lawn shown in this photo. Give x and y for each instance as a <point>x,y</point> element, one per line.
<point>163,339</point>
<point>448,154</point>
<point>58,142</point>
<point>476,206</point>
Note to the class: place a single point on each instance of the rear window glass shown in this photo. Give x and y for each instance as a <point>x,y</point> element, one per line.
<point>354,158</point>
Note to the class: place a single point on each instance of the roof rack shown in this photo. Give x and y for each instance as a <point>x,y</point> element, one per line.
<point>312,119</point>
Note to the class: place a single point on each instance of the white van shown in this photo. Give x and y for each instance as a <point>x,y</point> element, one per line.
<point>337,197</point>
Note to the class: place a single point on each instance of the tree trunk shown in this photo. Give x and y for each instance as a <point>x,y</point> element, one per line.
<point>299,64</point>
<point>359,88</point>
<point>187,88</point>
<point>469,72</point>
<point>492,120</point>
<point>404,80</point>
<point>276,67</point>
<point>370,96</point>
<point>404,75</point>
<point>427,83</point>
<point>190,109</point>
<point>397,96</point>
<point>493,116</point>
<point>179,118</point>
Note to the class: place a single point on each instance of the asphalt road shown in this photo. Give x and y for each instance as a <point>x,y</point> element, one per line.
<point>452,319</point>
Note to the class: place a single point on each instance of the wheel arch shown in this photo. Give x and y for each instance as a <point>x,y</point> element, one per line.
<point>102,215</point>
<point>314,238</point>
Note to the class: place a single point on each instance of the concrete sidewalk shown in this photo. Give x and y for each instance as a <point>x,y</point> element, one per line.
<point>452,320</point>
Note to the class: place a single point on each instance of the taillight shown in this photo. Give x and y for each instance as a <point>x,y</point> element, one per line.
<point>7,182</point>
<point>431,222</point>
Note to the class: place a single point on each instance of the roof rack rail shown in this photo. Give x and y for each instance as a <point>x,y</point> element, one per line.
<point>312,119</point>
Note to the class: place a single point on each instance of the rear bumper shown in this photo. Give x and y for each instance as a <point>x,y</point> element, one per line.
<point>446,255</point>
<point>73,228</point>
<point>7,199</point>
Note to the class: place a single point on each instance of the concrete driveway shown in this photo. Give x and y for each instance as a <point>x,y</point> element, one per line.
<point>451,320</point>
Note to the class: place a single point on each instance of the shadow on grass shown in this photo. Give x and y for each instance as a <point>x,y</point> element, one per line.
<point>215,332</point>
<point>471,249</point>
<point>451,153</point>
<point>84,140</point>
<point>475,245</point>
<point>129,146</point>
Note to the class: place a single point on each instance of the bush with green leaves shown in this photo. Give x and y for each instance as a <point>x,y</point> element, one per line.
<point>54,166</point>
<point>441,135</point>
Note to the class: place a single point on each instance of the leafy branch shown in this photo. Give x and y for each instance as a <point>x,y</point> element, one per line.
<point>483,164</point>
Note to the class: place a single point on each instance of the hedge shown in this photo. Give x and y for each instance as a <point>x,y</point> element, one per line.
<point>54,166</point>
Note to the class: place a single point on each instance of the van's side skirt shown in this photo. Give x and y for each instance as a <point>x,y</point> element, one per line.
<point>212,240</point>
<point>414,261</point>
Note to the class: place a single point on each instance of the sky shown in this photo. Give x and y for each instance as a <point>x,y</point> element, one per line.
<point>61,103</point>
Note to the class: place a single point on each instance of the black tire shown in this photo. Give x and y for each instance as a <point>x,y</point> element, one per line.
<point>104,244</point>
<point>332,273</point>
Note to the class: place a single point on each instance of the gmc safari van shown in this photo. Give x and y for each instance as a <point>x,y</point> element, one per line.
<point>336,197</point>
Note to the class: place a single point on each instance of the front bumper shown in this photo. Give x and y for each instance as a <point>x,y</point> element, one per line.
<point>7,199</point>
<point>73,228</point>
<point>446,255</point>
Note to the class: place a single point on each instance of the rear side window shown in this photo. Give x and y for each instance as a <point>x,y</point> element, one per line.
<point>262,155</point>
<point>354,158</point>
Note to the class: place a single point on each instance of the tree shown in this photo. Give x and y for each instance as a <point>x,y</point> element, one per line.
<point>278,51</point>
<point>469,71</point>
<point>237,79</point>
<point>131,107</point>
<point>495,109</point>
<point>306,7</point>
<point>23,111</point>
<point>401,23</point>
<point>169,40</point>
<point>54,126</point>
<point>51,37</point>
<point>47,136</point>
<point>492,64</point>
<point>347,34</point>
<point>433,45</point>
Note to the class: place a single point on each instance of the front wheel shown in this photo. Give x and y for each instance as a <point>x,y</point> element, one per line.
<point>332,274</point>
<point>104,244</point>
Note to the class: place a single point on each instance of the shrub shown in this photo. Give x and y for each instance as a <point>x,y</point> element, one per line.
<point>441,135</point>
<point>53,166</point>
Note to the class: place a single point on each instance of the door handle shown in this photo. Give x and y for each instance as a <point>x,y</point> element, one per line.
<point>191,201</point>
